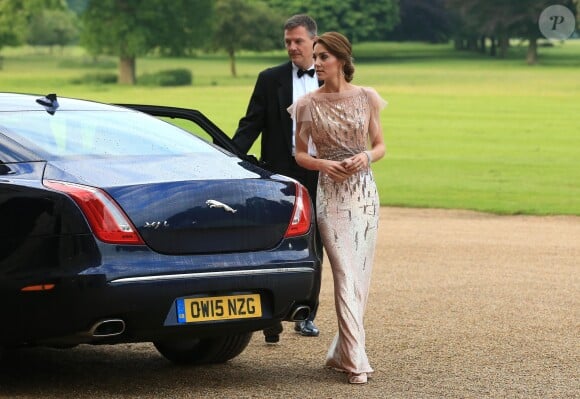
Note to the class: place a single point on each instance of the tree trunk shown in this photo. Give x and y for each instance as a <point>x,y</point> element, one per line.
<point>127,70</point>
<point>232,55</point>
<point>493,48</point>
<point>504,42</point>
<point>532,56</point>
<point>472,43</point>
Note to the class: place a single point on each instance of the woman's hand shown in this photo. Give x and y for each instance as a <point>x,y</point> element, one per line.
<point>356,163</point>
<point>340,171</point>
<point>335,170</point>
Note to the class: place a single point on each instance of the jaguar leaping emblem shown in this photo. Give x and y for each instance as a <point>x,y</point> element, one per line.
<point>217,204</point>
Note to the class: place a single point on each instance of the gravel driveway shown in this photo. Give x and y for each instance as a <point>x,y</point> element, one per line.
<point>462,305</point>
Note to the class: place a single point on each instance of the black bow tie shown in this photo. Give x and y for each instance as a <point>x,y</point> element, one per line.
<point>308,72</point>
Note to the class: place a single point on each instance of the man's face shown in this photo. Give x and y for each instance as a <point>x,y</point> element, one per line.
<point>299,46</point>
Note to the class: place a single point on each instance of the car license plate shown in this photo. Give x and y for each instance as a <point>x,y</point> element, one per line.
<point>230,307</point>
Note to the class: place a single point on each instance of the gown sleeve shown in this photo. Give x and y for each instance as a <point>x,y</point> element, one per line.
<point>300,112</point>
<point>376,102</point>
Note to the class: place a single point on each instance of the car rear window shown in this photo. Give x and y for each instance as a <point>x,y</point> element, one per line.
<point>99,133</point>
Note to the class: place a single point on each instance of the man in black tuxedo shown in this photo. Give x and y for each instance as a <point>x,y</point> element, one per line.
<point>275,90</point>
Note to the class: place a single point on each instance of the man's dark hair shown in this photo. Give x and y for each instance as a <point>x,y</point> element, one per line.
<point>302,20</point>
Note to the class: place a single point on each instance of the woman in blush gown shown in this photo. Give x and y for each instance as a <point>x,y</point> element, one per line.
<point>342,121</point>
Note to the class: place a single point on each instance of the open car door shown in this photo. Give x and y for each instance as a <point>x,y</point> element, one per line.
<point>196,123</point>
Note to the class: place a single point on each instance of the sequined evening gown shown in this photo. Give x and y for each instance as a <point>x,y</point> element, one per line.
<point>347,213</point>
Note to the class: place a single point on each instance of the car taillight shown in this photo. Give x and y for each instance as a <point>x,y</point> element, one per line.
<point>108,222</point>
<point>302,214</point>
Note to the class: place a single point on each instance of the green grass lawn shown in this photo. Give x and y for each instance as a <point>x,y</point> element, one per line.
<point>463,130</point>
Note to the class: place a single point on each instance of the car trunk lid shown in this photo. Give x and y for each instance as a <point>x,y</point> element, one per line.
<point>209,216</point>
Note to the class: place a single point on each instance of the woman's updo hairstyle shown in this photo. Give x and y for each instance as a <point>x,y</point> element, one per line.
<point>339,46</point>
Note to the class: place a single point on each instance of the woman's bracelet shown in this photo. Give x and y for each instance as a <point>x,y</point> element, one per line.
<point>369,157</point>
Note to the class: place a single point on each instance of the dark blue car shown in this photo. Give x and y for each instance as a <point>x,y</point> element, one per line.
<point>121,224</point>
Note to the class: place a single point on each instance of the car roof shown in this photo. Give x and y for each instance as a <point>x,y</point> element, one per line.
<point>27,102</point>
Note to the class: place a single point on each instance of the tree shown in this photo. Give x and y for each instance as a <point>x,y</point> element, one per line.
<point>245,24</point>
<point>12,23</point>
<point>132,28</point>
<point>17,15</point>
<point>359,20</point>
<point>475,20</point>
<point>53,27</point>
<point>424,20</point>
<point>498,18</point>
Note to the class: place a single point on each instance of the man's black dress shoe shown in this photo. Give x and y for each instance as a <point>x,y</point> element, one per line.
<point>306,328</point>
<point>272,334</point>
<point>272,339</point>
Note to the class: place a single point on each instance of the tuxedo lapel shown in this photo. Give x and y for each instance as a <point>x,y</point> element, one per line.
<point>285,100</point>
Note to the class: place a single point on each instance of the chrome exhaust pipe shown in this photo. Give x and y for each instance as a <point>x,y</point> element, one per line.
<point>107,328</point>
<point>300,313</point>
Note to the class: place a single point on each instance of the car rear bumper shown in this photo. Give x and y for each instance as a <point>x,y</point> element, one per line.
<point>144,307</point>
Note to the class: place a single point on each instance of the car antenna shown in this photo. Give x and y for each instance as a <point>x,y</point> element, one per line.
<point>49,102</point>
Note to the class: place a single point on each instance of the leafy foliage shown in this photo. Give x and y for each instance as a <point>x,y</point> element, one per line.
<point>490,17</point>
<point>423,20</point>
<point>245,24</point>
<point>12,23</point>
<point>77,6</point>
<point>53,27</point>
<point>17,16</point>
<point>498,18</point>
<point>359,20</point>
<point>129,29</point>
<point>133,28</point>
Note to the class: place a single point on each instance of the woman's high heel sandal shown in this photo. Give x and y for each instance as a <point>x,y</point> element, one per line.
<point>357,378</point>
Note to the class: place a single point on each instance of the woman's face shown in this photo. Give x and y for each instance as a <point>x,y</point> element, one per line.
<point>327,65</point>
